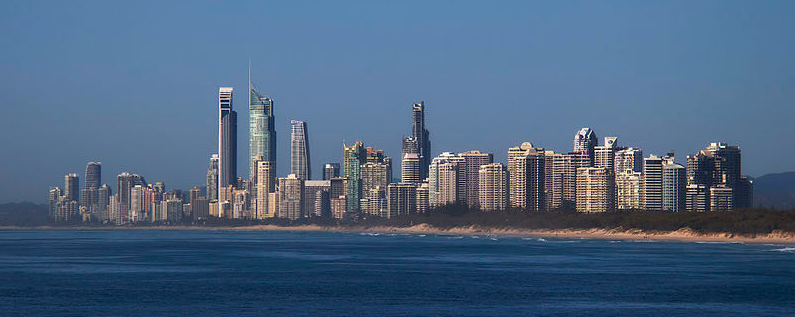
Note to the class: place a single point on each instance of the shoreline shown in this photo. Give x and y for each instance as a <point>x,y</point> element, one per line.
<point>683,235</point>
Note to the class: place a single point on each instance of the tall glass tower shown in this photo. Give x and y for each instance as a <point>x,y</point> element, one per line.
<point>227,140</point>
<point>421,137</point>
<point>93,175</point>
<point>299,151</point>
<point>262,133</point>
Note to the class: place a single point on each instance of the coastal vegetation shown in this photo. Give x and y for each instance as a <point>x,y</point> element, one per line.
<point>743,221</point>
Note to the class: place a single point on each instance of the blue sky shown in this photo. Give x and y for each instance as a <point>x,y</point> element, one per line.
<point>134,84</point>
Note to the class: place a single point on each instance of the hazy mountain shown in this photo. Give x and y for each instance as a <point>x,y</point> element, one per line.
<point>775,190</point>
<point>23,214</point>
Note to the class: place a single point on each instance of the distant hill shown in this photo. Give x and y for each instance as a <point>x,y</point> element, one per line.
<point>775,190</point>
<point>23,214</point>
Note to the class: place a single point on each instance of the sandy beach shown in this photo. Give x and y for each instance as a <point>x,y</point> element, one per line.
<point>684,234</point>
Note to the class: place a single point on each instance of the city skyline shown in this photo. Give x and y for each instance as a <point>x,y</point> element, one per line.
<point>586,145</point>
<point>588,178</point>
<point>673,75</point>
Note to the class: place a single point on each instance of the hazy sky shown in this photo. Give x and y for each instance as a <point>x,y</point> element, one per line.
<point>135,85</point>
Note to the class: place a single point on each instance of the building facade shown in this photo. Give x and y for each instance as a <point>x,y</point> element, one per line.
<point>402,199</point>
<point>526,177</point>
<point>674,187</point>
<point>331,170</point>
<point>300,163</point>
<point>595,190</point>
<point>493,187</point>
<point>291,195</point>
<point>434,179</point>
<point>473,161</point>
<point>262,129</point>
<point>227,139</point>
<point>652,183</point>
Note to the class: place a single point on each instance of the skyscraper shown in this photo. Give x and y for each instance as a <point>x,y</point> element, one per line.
<point>697,198</point>
<point>352,158</point>
<point>72,187</point>
<point>331,170</point>
<point>605,155</point>
<point>103,198</point>
<point>291,195</point>
<point>628,190</point>
<point>629,159</point>
<point>316,198</point>
<point>720,198</point>
<point>136,203</point>
<point>212,178</point>
<point>299,151</point>
<point>419,142</point>
<point>554,171</point>
<point>474,160</point>
<point>422,203</point>
<point>595,189</point>
<point>720,166</point>
<point>401,199</point>
<point>492,187</point>
<point>266,183</point>
<point>436,186</point>
<point>54,197</point>
<point>410,168</point>
<point>375,174</point>
<point>674,187</point>
<point>727,163</point>
<point>571,163</point>
<point>585,142</point>
<point>227,140</point>
<point>652,183</point>
<point>125,183</point>
<point>451,182</point>
<point>526,177</point>
<point>93,175</point>
<point>88,198</point>
<point>262,130</point>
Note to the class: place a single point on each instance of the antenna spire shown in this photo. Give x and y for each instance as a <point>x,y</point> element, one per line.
<point>250,86</point>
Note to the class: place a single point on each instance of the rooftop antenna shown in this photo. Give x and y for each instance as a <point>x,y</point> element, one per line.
<point>250,86</point>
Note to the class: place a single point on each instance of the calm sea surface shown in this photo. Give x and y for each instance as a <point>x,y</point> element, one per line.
<point>204,272</point>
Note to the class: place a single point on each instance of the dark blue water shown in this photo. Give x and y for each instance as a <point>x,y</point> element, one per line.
<point>171,272</point>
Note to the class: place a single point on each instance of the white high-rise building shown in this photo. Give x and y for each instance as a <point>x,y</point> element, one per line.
<point>595,189</point>
<point>629,191</point>
<point>629,159</point>
<point>605,155</point>
<point>136,204</point>
<point>493,187</point>
<point>434,190</point>
<point>422,197</point>
<point>410,168</point>
<point>450,183</point>
<point>652,183</point>
<point>299,151</point>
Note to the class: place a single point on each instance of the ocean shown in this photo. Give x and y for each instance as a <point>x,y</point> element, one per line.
<point>233,273</point>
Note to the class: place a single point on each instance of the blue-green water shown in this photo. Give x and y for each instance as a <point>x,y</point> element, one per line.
<point>203,272</point>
